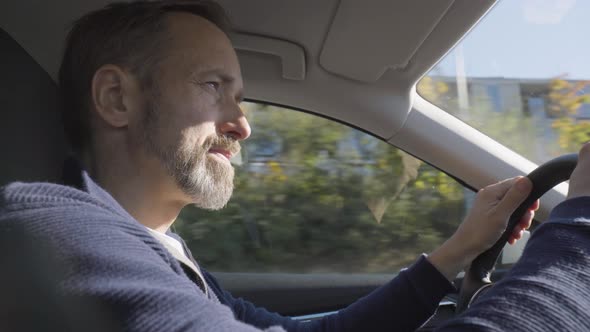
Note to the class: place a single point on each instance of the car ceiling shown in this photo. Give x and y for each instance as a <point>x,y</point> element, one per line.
<point>355,61</point>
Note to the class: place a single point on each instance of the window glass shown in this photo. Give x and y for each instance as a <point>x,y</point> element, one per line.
<point>313,195</point>
<point>521,76</point>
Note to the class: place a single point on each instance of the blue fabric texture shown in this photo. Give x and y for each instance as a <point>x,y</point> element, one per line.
<point>548,289</point>
<point>111,258</point>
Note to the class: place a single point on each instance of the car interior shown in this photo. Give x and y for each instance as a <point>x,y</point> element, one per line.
<point>353,62</point>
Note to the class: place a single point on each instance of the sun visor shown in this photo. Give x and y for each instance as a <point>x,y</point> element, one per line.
<point>292,56</point>
<point>379,34</point>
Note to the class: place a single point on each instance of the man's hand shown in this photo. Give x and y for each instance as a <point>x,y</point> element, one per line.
<point>489,215</point>
<point>484,225</point>
<point>580,178</point>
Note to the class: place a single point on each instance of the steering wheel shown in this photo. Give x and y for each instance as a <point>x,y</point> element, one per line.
<point>477,277</point>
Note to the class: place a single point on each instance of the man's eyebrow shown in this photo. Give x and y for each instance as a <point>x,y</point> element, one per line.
<point>225,78</point>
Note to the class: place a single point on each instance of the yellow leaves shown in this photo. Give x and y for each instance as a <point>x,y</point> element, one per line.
<point>565,100</point>
<point>572,133</point>
<point>420,185</point>
<point>442,87</point>
<point>567,97</point>
<point>434,181</point>
<point>383,164</point>
<point>559,84</point>
<point>425,88</point>
<point>432,90</point>
<point>276,171</point>
<point>573,106</point>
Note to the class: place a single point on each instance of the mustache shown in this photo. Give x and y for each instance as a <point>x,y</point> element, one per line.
<point>222,142</point>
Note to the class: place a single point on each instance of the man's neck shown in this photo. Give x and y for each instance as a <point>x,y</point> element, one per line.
<point>141,187</point>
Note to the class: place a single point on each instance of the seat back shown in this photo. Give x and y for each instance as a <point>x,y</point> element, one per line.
<point>32,144</point>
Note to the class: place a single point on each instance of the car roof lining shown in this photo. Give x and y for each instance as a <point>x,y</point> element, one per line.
<point>361,34</point>
<point>331,86</point>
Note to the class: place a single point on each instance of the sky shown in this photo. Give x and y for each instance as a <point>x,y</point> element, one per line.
<point>526,39</point>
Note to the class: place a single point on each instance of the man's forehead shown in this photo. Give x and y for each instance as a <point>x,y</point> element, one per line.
<point>194,39</point>
<point>199,48</point>
<point>186,26</point>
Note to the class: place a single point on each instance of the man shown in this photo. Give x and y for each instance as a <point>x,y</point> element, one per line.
<point>151,106</point>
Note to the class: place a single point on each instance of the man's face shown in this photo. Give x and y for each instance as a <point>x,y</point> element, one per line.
<point>192,122</point>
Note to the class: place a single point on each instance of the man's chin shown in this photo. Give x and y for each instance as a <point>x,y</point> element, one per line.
<point>209,185</point>
<point>209,205</point>
<point>213,198</point>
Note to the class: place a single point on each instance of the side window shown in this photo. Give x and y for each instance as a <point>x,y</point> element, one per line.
<point>313,195</point>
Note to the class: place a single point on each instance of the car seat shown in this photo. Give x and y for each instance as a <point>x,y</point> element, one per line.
<point>32,143</point>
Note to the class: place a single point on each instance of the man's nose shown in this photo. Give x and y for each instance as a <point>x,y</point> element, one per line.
<point>235,124</point>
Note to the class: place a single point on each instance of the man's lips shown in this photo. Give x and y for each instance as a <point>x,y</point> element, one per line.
<point>222,152</point>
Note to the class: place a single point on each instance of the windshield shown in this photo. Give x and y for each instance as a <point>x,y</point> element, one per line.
<point>521,76</point>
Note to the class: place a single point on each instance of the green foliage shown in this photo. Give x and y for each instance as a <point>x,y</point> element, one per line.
<point>331,199</point>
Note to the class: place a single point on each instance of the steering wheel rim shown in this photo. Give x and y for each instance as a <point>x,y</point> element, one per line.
<point>544,177</point>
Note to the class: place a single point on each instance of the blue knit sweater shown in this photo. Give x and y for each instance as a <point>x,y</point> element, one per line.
<point>112,259</point>
<point>549,288</point>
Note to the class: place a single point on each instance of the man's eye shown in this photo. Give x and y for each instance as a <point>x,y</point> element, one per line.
<point>213,85</point>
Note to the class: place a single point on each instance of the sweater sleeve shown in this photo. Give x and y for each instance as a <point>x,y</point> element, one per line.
<point>403,304</point>
<point>549,288</point>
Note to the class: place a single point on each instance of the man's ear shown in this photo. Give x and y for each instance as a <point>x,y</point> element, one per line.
<point>111,90</point>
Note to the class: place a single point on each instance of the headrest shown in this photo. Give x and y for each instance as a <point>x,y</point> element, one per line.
<point>32,144</point>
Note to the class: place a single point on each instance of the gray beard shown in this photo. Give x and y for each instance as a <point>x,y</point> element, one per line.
<point>209,183</point>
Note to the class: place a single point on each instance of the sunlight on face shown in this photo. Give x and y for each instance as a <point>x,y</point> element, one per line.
<point>191,121</point>
<point>203,176</point>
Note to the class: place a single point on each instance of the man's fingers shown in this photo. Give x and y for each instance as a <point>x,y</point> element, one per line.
<point>518,232</point>
<point>527,219</point>
<point>515,236</point>
<point>535,205</point>
<point>515,195</point>
<point>526,224</point>
<point>499,189</point>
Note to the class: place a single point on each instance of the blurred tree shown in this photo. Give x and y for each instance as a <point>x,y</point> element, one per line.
<point>318,196</point>
<point>565,100</point>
